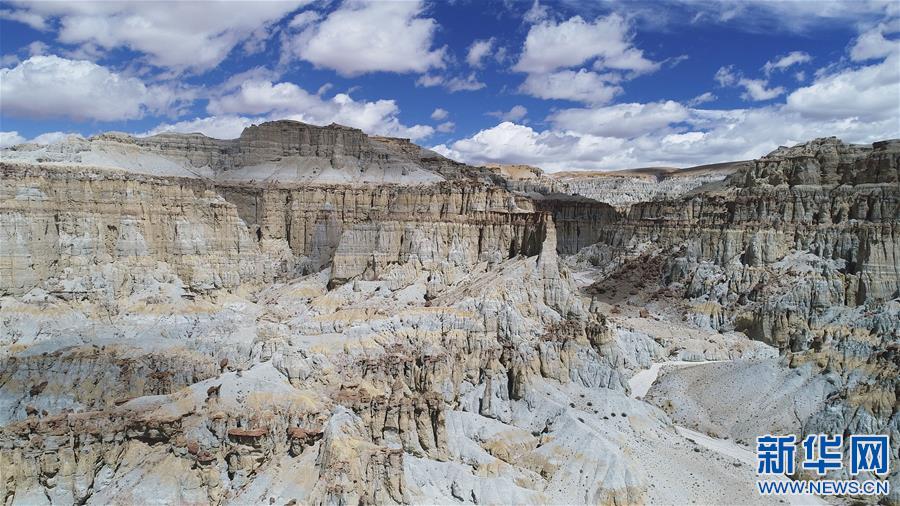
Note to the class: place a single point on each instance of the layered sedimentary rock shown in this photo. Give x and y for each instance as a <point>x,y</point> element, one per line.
<point>800,251</point>
<point>58,224</point>
<point>274,151</point>
<point>626,187</point>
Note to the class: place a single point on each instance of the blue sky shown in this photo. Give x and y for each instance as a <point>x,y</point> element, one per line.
<point>561,85</point>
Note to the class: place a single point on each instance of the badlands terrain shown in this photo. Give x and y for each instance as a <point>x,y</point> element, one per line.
<point>309,315</point>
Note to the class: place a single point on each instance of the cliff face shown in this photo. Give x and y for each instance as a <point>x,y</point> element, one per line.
<point>59,224</point>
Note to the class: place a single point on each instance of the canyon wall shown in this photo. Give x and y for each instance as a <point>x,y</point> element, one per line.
<point>58,224</point>
<point>802,251</point>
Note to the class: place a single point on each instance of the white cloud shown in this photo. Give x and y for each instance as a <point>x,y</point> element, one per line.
<point>439,114</point>
<point>702,99</point>
<point>50,86</point>
<point>325,88</point>
<point>264,98</point>
<point>31,19</point>
<point>362,37</point>
<point>452,84</point>
<point>581,86</point>
<point>304,19</point>
<point>512,143</point>
<point>8,139</point>
<point>478,51</point>
<point>554,54</point>
<point>52,137</point>
<point>516,113</point>
<point>9,60</point>
<point>536,13</point>
<point>765,17</point>
<point>873,44</point>
<point>430,80</point>
<point>754,89</point>
<point>501,54</point>
<point>177,35</point>
<point>620,120</point>
<point>446,127</point>
<point>550,46</point>
<point>757,89</point>
<point>786,61</point>
<point>858,105</point>
<point>219,127</point>
<point>714,136</point>
<point>468,83</point>
<point>868,93</point>
<point>726,76</point>
<point>36,48</point>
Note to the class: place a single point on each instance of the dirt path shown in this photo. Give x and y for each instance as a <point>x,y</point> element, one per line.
<point>640,384</point>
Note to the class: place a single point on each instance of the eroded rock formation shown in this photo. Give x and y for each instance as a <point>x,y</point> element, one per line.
<point>222,322</point>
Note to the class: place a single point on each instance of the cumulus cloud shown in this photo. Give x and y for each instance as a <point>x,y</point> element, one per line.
<point>193,36</point>
<point>512,143</point>
<point>702,99</point>
<point>581,86</point>
<point>304,19</point>
<point>873,44</point>
<point>439,114</point>
<point>254,101</point>
<point>550,46</point>
<point>31,19</point>
<point>451,84</point>
<point>726,76</point>
<point>362,37</point>
<point>446,127</point>
<point>478,51</point>
<point>754,89</point>
<point>868,93</point>
<point>554,54</point>
<point>855,104</point>
<point>219,127</point>
<point>758,89</point>
<point>536,13</point>
<point>620,120</point>
<point>786,61</point>
<point>711,136</point>
<point>8,139</point>
<point>516,113</point>
<point>50,86</point>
